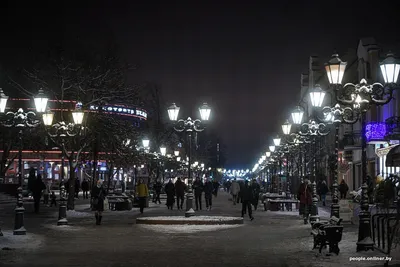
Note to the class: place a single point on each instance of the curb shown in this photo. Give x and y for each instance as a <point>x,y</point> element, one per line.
<point>189,222</point>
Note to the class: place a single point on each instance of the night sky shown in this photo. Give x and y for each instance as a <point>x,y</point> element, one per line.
<point>244,58</point>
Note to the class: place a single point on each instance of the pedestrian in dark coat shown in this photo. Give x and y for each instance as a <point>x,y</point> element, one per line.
<point>240,194</point>
<point>323,189</point>
<point>77,187</point>
<point>198,188</point>
<point>98,195</point>
<point>85,188</point>
<point>208,191</point>
<point>305,196</point>
<point>157,190</point>
<point>180,193</point>
<point>170,191</point>
<point>38,187</point>
<point>256,193</point>
<point>53,199</point>
<point>216,188</point>
<point>343,188</point>
<point>247,199</point>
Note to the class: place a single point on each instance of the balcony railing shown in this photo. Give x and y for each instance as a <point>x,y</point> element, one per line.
<point>351,140</point>
<point>393,128</point>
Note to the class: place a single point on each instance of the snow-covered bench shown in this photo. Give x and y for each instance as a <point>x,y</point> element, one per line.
<point>279,204</point>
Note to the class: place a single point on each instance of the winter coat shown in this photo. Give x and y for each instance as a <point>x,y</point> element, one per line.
<point>38,187</point>
<point>216,185</point>
<point>85,185</point>
<point>142,190</point>
<point>343,188</point>
<point>170,189</point>
<point>208,189</point>
<point>157,187</point>
<point>235,188</point>
<point>98,193</point>
<point>198,187</point>
<point>323,189</point>
<point>305,194</point>
<point>247,193</point>
<point>180,188</point>
<point>256,190</point>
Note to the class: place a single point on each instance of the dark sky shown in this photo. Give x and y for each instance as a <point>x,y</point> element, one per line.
<point>243,57</point>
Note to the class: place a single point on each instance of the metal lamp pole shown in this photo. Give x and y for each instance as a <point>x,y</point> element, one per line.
<point>189,126</point>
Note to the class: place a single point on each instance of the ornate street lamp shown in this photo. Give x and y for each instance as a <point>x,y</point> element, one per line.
<point>317,96</point>
<point>176,153</point>
<point>268,154</point>
<point>297,115</point>
<point>41,101</point>
<point>286,127</point>
<point>78,114</point>
<point>189,126</point>
<point>272,148</point>
<point>360,97</point>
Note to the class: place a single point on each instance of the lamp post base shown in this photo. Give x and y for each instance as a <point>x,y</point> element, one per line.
<point>365,244</point>
<point>20,231</point>
<point>62,214</point>
<point>335,210</point>
<point>190,213</point>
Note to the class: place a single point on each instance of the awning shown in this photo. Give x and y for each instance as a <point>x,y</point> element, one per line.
<point>381,152</point>
<point>393,157</point>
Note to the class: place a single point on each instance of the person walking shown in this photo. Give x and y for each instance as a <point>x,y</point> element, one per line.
<point>46,194</point>
<point>240,197</point>
<point>170,191</point>
<point>157,190</point>
<point>198,190</point>
<point>216,187</point>
<point>343,188</point>
<point>247,199</point>
<point>53,199</point>
<point>77,188</point>
<point>85,188</point>
<point>323,189</point>
<point>256,193</point>
<point>180,193</point>
<point>142,193</point>
<point>305,196</point>
<point>208,192</point>
<point>98,195</point>
<point>235,189</point>
<point>38,187</point>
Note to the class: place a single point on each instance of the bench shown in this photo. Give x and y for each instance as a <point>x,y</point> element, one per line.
<point>119,203</point>
<point>280,204</point>
<point>328,233</point>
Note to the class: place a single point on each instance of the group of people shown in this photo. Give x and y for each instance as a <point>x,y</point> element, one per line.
<point>178,190</point>
<point>305,195</point>
<point>247,194</point>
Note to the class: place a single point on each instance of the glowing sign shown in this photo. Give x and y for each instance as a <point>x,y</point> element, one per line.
<point>375,131</point>
<point>122,110</point>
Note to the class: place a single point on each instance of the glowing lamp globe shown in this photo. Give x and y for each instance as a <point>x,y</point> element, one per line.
<point>3,101</point>
<point>277,141</point>
<point>163,150</point>
<point>41,101</point>
<point>146,143</point>
<point>176,153</point>
<point>48,118</point>
<point>317,96</point>
<point>286,127</point>
<point>390,69</point>
<point>268,154</point>
<point>297,115</point>
<point>205,112</point>
<point>272,148</point>
<point>173,112</point>
<point>335,69</point>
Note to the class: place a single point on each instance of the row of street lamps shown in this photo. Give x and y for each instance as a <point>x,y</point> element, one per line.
<point>352,105</point>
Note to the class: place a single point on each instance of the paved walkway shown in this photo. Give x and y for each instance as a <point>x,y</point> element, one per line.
<point>272,239</point>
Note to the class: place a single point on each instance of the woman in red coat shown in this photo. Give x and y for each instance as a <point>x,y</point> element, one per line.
<point>305,196</point>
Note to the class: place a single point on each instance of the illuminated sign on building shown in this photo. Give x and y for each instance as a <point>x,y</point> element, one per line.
<point>122,110</point>
<point>375,131</point>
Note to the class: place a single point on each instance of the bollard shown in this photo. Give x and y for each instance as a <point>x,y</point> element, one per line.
<point>314,209</point>
<point>19,228</point>
<point>62,210</point>
<point>335,207</point>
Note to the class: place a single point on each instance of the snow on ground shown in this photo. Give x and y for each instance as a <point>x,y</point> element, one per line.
<point>63,227</point>
<point>78,214</point>
<point>322,213</point>
<point>186,229</point>
<point>194,218</point>
<point>28,241</point>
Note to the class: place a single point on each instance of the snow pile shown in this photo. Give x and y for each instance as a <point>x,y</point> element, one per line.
<point>78,214</point>
<point>28,241</point>
<point>194,218</point>
<point>186,229</point>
